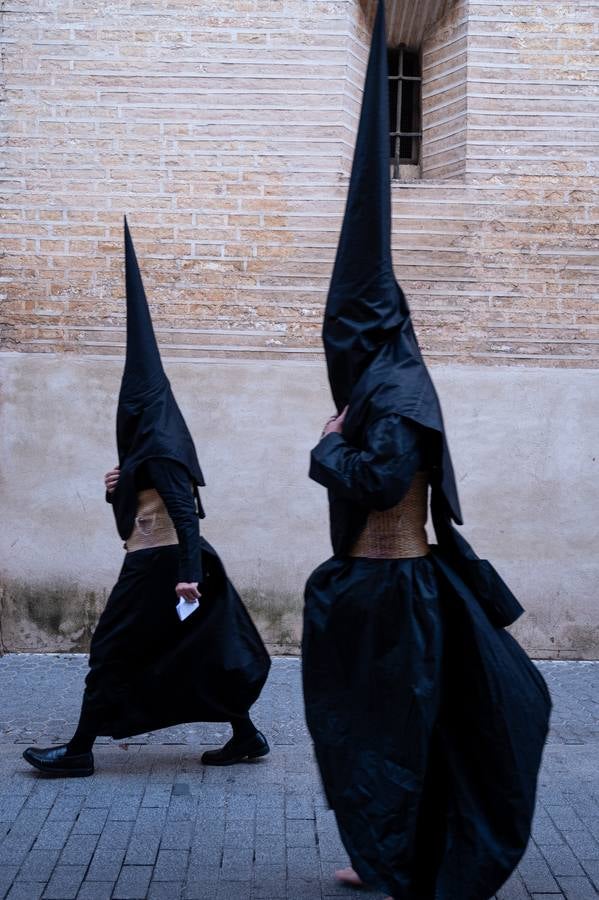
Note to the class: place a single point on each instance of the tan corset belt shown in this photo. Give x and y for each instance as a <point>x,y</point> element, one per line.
<point>153,525</point>
<point>399,532</point>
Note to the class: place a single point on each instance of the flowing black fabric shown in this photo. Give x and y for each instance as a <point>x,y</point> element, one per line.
<point>148,670</point>
<point>372,671</point>
<point>149,422</point>
<point>428,719</point>
<point>428,725</point>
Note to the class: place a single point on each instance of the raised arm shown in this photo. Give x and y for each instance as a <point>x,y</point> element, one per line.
<point>377,475</point>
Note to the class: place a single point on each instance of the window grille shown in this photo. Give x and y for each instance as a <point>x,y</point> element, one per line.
<point>405,84</point>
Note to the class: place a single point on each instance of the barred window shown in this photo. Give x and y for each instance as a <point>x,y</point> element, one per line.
<point>405,82</point>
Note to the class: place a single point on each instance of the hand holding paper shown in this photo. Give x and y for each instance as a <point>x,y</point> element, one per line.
<point>189,596</point>
<point>186,607</point>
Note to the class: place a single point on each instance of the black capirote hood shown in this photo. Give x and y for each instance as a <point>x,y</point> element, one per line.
<point>373,358</point>
<point>149,423</point>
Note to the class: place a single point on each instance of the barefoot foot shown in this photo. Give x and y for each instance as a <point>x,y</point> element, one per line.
<point>349,876</point>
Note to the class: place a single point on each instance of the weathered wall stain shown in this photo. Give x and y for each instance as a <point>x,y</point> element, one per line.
<point>278,617</point>
<point>61,617</point>
<point>51,617</point>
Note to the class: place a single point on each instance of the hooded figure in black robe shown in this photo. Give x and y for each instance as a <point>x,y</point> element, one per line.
<point>148,668</point>
<point>428,719</point>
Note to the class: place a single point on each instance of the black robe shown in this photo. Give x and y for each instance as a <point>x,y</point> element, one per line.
<point>149,670</point>
<point>428,720</point>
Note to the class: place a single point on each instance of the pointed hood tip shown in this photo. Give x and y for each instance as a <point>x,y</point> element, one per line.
<point>379,19</point>
<point>365,239</point>
<point>143,366</point>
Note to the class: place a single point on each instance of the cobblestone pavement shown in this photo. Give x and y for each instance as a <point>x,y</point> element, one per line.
<point>153,823</point>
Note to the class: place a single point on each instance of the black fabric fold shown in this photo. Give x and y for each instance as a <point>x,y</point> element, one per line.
<point>428,726</point>
<point>149,670</point>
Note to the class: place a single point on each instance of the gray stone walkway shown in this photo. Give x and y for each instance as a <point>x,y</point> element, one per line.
<point>153,823</point>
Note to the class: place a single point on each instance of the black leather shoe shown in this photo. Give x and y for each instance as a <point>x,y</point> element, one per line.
<point>236,750</point>
<point>58,761</point>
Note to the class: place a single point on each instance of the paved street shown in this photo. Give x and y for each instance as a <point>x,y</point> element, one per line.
<point>153,823</point>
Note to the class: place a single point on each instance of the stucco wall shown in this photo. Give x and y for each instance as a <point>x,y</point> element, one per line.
<point>524,443</point>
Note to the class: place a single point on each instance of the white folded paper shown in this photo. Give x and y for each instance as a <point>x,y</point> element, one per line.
<point>185,608</point>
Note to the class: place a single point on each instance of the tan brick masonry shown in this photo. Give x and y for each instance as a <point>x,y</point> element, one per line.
<point>226,133</point>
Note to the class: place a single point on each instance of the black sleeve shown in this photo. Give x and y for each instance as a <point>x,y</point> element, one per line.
<point>174,486</point>
<point>108,497</point>
<point>377,476</point>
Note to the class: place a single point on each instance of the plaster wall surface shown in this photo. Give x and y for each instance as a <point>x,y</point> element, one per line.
<point>524,443</point>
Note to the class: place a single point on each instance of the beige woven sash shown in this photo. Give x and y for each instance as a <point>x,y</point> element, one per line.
<point>399,532</point>
<point>153,525</point>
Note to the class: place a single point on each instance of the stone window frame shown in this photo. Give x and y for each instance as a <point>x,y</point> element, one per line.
<point>397,56</point>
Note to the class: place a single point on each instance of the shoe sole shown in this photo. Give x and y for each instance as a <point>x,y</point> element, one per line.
<point>238,759</point>
<point>60,773</point>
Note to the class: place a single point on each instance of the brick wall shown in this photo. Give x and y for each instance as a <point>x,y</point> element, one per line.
<point>227,138</point>
<point>533,90</point>
<point>444,100</point>
<point>509,272</point>
<point>220,134</point>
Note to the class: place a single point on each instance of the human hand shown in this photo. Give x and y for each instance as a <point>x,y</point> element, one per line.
<point>188,591</point>
<point>111,479</point>
<point>335,423</point>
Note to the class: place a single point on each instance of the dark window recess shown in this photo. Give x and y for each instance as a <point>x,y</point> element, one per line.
<point>405,81</point>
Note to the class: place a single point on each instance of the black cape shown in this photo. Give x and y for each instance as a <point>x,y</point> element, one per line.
<point>427,718</point>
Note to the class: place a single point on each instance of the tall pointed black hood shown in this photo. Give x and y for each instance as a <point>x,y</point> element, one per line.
<point>373,359</point>
<point>365,305</point>
<point>149,424</point>
<point>143,372</point>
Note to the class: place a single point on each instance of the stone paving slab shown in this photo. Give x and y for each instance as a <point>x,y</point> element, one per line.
<point>154,823</point>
